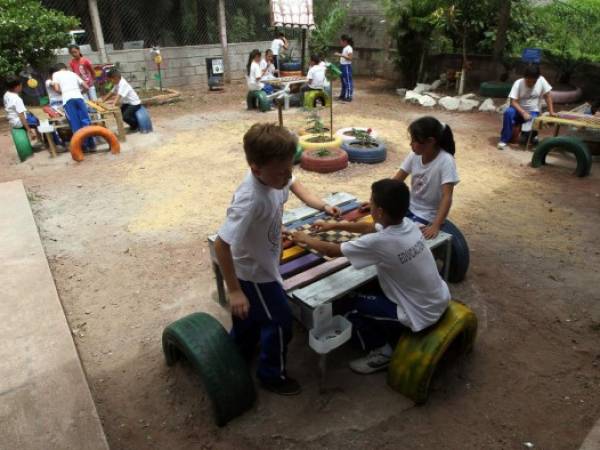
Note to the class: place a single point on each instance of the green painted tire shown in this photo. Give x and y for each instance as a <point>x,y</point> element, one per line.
<point>312,97</point>
<point>566,143</point>
<point>417,355</point>
<point>202,340</point>
<point>22,143</point>
<point>298,154</point>
<point>258,100</point>
<point>495,89</point>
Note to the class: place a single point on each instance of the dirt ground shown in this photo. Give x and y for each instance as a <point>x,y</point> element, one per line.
<point>126,240</point>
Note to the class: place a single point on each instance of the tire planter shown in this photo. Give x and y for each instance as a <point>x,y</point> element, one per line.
<point>306,144</point>
<point>312,97</point>
<point>562,97</point>
<point>209,349</point>
<point>417,355</point>
<point>349,138</point>
<point>22,143</point>
<point>460,257</point>
<point>298,154</point>
<point>365,155</point>
<point>306,131</point>
<point>143,119</point>
<point>566,143</point>
<point>258,100</point>
<point>290,73</point>
<point>91,131</point>
<point>290,66</point>
<point>337,160</point>
<point>495,89</point>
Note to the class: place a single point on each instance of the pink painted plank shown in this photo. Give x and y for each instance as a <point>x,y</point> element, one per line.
<point>315,274</point>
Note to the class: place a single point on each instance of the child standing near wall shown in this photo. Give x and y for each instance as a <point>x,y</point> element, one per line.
<point>83,67</point>
<point>346,66</point>
<point>279,43</point>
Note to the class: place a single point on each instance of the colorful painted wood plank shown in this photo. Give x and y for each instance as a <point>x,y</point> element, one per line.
<point>337,199</point>
<point>355,215</point>
<point>300,264</point>
<point>291,253</point>
<point>314,274</point>
<point>345,209</point>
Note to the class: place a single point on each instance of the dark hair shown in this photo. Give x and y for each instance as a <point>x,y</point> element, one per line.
<point>266,142</point>
<point>392,196</point>
<point>429,127</point>
<point>268,51</point>
<point>348,39</point>
<point>280,34</point>
<point>56,67</point>
<point>531,71</point>
<point>253,54</point>
<point>113,72</point>
<point>12,82</point>
<point>315,58</point>
<point>595,106</point>
<point>72,46</point>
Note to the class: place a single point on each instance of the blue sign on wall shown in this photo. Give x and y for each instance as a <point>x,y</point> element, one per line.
<point>532,55</point>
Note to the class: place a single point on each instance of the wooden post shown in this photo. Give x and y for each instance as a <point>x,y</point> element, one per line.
<point>223,37</point>
<point>303,55</point>
<point>280,112</point>
<point>95,16</point>
<point>331,111</point>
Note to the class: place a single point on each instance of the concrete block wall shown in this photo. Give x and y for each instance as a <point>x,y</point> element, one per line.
<point>182,66</point>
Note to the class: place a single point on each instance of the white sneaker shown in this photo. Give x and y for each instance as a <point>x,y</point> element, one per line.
<point>502,145</point>
<point>373,362</point>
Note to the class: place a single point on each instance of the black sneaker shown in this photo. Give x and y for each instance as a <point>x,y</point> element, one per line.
<point>288,386</point>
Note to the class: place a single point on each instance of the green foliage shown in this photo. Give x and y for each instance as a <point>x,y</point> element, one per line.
<point>330,17</point>
<point>315,124</point>
<point>29,33</point>
<point>363,137</point>
<point>240,27</point>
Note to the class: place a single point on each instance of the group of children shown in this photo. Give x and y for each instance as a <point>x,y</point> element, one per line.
<point>261,68</point>
<point>410,292</point>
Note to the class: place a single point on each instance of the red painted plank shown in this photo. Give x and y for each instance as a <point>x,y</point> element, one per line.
<point>315,274</point>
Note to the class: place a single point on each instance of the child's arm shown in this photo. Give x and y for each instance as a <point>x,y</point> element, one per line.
<point>237,300</point>
<point>312,200</point>
<point>401,175</point>
<point>25,124</point>
<point>326,248</point>
<point>108,96</point>
<point>352,227</point>
<point>433,229</point>
<point>118,100</point>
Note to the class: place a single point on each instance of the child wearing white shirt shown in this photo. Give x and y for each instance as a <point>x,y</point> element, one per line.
<point>411,292</point>
<point>267,66</point>
<point>126,98</point>
<point>16,112</point>
<point>346,66</point>
<point>316,75</point>
<point>279,43</point>
<point>254,74</point>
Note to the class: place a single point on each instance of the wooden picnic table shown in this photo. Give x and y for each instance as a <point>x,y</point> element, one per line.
<point>570,119</point>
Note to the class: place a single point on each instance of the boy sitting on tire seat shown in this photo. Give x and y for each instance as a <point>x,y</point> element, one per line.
<point>248,249</point>
<point>411,292</point>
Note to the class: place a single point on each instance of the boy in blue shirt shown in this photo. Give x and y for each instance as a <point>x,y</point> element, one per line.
<point>248,248</point>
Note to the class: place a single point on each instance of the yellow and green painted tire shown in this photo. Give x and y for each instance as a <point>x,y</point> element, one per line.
<point>305,143</point>
<point>417,355</point>
<point>311,97</point>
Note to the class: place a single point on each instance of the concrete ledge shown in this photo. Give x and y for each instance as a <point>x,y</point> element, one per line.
<point>45,401</point>
<point>592,441</point>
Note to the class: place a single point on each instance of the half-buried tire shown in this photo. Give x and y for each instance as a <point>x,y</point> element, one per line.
<point>460,257</point>
<point>495,89</point>
<point>202,340</point>
<point>365,155</point>
<point>324,160</point>
<point>258,100</point>
<point>565,143</point>
<point>92,131</point>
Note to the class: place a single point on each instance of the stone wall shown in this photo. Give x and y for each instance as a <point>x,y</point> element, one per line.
<point>182,66</point>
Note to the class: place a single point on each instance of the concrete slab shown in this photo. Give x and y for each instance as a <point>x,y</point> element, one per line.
<point>592,441</point>
<point>45,400</point>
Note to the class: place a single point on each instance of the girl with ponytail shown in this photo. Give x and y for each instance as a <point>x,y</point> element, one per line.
<point>433,173</point>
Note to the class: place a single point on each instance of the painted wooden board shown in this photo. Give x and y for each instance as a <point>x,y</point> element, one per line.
<point>336,199</point>
<point>355,215</point>
<point>300,264</point>
<point>345,209</point>
<point>315,273</point>
<point>291,253</point>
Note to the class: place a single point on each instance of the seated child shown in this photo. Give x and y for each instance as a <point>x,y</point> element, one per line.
<point>54,97</point>
<point>267,65</point>
<point>16,112</point>
<point>248,249</point>
<point>316,75</point>
<point>412,293</point>
<point>254,74</point>
<point>126,98</point>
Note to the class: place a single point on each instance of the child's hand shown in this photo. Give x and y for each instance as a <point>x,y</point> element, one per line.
<point>321,225</point>
<point>32,135</point>
<point>332,210</point>
<point>300,237</point>
<point>430,231</point>
<point>365,207</point>
<point>239,304</point>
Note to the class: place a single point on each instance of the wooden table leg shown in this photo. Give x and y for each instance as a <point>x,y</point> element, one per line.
<point>120,126</point>
<point>51,144</point>
<point>556,129</point>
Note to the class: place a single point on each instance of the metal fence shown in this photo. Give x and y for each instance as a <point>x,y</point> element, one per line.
<point>168,23</point>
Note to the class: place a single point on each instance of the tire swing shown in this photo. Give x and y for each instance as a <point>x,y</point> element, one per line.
<point>205,344</point>
<point>566,143</point>
<point>418,355</point>
<point>365,155</point>
<point>258,100</point>
<point>90,131</point>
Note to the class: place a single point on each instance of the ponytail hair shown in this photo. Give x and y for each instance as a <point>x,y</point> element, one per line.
<point>429,127</point>
<point>253,54</point>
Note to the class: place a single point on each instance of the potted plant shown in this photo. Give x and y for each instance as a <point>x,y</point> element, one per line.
<point>349,134</point>
<point>320,136</point>
<point>364,148</point>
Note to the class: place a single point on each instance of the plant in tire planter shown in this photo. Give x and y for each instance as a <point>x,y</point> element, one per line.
<point>324,159</point>
<point>364,149</point>
<point>314,124</point>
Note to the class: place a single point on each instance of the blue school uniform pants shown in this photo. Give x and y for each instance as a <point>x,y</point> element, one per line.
<point>269,322</point>
<point>512,117</point>
<point>347,84</point>
<point>78,117</point>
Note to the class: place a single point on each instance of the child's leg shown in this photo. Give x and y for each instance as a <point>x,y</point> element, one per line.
<point>350,87</point>
<point>512,117</point>
<point>129,117</point>
<point>92,94</point>
<point>344,81</point>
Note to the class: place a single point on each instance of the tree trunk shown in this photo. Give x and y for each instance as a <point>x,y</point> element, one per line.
<point>501,33</point>
<point>463,72</point>
<point>116,33</point>
<point>86,23</point>
<point>223,39</point>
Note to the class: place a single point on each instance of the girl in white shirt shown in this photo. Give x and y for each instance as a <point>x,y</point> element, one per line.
<point>266,64</point>
<point>346,66</point>
<point>254,74</point>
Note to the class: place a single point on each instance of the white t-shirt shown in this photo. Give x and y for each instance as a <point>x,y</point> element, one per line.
<point>70,85</point>
<point>270,68</point>
<point>53,96</point>
<point>426,182</point>
<point>276,46</point>
<point>530,99</point>
<point>316,76</point>
<point>347,51</point>
<point>406,271</point>
<point>13,105</point>
<point>253,78</point>
<point>253,230</point>
<point>127,93</point>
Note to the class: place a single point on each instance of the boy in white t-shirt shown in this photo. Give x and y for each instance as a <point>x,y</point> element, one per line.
<point>346,58</point>
<point>525,103</point>
<point>16,112</point>
<point>248,249</point>
<point>316,74</point>
<point>279,43</point>
<point>412,293</point>
<point>126,98</point>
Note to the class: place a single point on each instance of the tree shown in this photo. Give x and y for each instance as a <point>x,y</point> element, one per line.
<point>329,19</point>
<point>29,33</point>
<point>502,31</point>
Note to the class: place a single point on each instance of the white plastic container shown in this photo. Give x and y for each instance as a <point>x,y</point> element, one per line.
<point>330,336</point>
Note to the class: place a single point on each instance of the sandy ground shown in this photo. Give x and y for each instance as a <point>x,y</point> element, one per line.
<point>126,241</point>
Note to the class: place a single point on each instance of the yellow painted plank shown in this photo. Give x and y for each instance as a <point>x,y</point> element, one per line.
<point>291,253</point>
